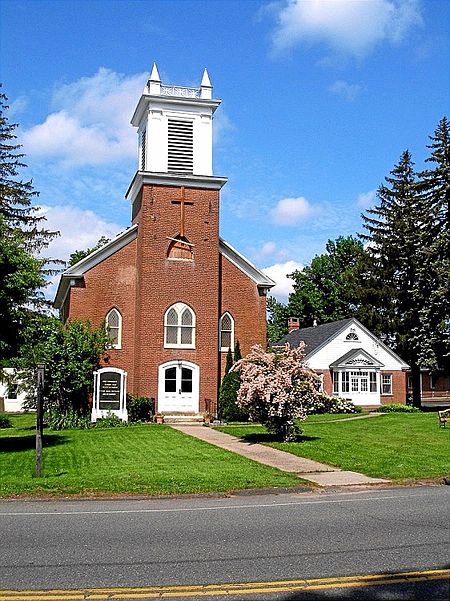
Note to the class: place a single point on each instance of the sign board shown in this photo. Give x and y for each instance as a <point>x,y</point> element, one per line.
<point>109,393</point>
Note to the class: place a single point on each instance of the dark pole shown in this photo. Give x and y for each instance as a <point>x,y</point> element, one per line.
<point>40,371</point>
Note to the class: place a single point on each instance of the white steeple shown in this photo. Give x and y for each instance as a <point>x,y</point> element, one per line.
<point>175,127</point>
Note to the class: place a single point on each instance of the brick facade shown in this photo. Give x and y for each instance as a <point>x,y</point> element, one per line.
<point>142,282</point>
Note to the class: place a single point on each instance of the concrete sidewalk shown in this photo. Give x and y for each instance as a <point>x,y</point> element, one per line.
<point>320,473</point>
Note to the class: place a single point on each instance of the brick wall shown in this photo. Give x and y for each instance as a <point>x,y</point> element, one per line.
<point>398,388</point>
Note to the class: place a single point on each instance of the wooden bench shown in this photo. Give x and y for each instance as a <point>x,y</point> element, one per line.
<point>444,418</point>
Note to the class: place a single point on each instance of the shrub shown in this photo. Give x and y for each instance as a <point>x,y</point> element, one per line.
<point>5,421</point>
<point>59,420</point>
<point>228,410</point>
<point>330,404</point>
<point>275,387</point>
<point>140,408</point>
<point>109,421</point>
<point>398,408</point>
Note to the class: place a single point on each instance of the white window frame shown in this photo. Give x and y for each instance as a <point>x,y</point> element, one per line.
<point>386,381</point>
<point>224,349</point>
<point>180,308</point>
<point>118,344</point>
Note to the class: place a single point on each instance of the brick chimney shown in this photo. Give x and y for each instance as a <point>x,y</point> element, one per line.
<point>293,324</point>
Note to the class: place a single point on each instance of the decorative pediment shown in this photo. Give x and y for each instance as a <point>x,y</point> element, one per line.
<point>356,358</point>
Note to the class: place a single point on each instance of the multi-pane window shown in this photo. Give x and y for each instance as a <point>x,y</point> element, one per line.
<point>386,384</point>
<point>335,382</point>
<point>373,381</point>
<point>179,327</point>
<point>114,328</point>
<point>351,336</point>
<point>226,332</point>
<point>345,381</point>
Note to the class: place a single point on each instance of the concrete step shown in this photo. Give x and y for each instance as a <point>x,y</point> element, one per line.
<point>191,419</point>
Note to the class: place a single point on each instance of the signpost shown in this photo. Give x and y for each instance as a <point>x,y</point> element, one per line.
<point>40,373</point>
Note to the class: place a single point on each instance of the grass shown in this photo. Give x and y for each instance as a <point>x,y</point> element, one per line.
<point>396,446</point>
<point>144,459</point>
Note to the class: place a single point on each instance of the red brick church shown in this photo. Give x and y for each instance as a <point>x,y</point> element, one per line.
<point>174,295</point>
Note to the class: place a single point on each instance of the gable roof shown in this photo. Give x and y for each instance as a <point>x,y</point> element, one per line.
<point>353,356</point>
<point>317,337</point>
<point>78,270</point>
<point>261,279</point>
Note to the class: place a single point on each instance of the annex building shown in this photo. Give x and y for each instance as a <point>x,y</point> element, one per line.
<point>175,296</point>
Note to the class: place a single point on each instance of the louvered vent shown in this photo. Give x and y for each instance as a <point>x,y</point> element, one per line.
<point>181,146</point>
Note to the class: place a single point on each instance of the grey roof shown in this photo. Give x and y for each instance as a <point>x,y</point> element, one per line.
<point>315,336</point>
<point>356,351</point>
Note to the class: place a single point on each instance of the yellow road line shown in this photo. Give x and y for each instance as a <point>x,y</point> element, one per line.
<point>220,590</point>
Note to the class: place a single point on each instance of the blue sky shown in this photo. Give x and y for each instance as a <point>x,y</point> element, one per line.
<point>320,97</point>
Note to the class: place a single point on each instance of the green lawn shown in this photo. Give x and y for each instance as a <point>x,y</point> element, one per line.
<point>396,445</point>
<point>147,459</point>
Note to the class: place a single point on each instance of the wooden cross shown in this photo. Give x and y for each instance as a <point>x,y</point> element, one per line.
<point>183,202</point>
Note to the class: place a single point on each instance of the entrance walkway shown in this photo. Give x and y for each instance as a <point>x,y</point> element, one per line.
<point>307,469</point>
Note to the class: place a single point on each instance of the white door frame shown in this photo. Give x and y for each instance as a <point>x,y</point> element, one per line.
<point>179,363</point>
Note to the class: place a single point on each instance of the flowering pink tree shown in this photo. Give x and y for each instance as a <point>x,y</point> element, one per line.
<point>276,387</point>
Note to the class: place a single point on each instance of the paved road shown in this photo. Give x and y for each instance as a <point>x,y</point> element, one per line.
<point>79,544</point>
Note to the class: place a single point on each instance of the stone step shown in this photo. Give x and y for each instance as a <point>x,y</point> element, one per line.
<point>197,418</point>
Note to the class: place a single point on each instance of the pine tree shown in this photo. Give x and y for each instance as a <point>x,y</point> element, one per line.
<point>431,334</point>
<point>229,360</point>
<point>22,239</point>
<point>395,242</point>
<point>237,352</point>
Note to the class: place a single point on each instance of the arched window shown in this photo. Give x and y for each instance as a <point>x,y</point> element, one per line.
<point>351,336</point>
<point>179,327</point>
<point>114,328</point>
<point>226,328</point>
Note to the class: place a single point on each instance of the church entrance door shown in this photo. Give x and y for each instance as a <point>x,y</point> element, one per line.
<point>178,387</point>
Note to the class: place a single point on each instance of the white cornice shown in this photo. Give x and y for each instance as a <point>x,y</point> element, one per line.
<point>140,178</point>
<point>146,99</point>
<point>244,265</point>
<point>78,270</point>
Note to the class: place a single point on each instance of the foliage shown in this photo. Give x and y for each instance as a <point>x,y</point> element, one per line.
<point>331,404</point>
<point>110,421</point>
<point>228,410</point>
<point>57,420</point>
<point>71,353</point>
<point>398,408</point>
<point>5,421</point>
<point>406,276</point>
<point>23,269</point>
<point>78,255</point>
<point>326,290</point>
<point>140,408</point>
<point>275,387</point>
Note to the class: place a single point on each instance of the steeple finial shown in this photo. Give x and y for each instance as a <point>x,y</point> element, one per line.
<point>206,86</point>
<point>154,83</point>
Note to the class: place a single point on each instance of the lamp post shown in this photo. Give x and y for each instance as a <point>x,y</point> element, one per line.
<point>40,372</point>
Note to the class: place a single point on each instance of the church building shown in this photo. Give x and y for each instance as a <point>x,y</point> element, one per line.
<point>174,295</point>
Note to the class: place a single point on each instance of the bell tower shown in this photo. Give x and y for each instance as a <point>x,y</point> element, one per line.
<point>175,204</point>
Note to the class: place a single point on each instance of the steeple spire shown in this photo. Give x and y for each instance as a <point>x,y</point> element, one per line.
<point>206,86</point>
<point>154,83</point>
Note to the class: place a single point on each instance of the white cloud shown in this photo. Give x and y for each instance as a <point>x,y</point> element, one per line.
<point>365,199</point>
<point>349,91</point>
<point>17,106</point>
<point>79,229</point>
<point>350,27</point>
<point>279,273</point>
<point>291,211</point>
<point>90,124</point>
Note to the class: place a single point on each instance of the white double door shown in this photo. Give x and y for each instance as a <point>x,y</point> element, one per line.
<point>178,387</point>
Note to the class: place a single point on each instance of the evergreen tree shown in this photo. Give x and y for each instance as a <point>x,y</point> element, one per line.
<point>237,352</point>
<point>228,410</point>
<point>229,360</point>
<point>22,239</point>
<point>394,250</point>
<point>430,336</point>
